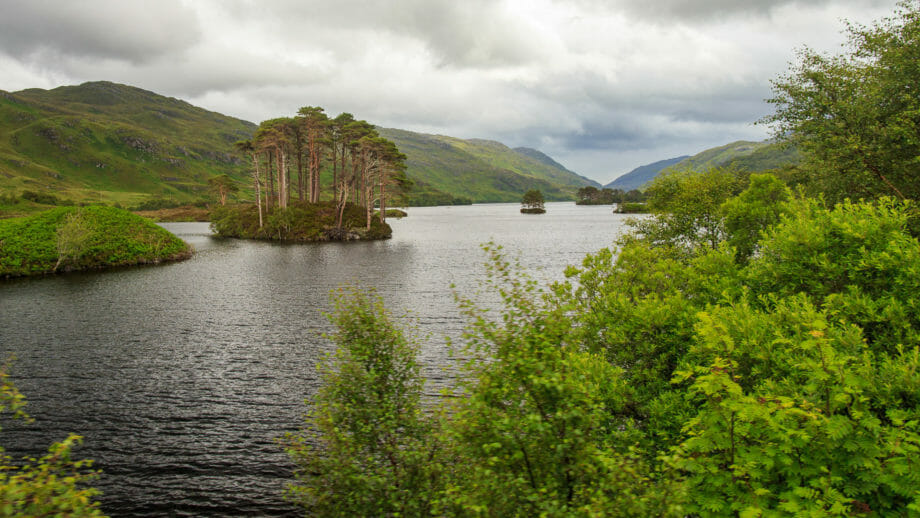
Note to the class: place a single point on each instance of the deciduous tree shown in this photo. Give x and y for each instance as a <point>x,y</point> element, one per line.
<point>856,115</point>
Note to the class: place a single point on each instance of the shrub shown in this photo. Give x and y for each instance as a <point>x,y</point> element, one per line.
<point>53,485</point>
<point>368,450</point>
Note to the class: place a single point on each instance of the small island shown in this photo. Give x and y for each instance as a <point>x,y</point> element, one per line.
<point>291,199</point>
<point>532,202</point>
<point>300,222</point>
<point>69,239</point>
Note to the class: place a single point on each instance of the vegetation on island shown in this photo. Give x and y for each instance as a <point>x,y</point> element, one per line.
<point>594,196</point>
<point>301,222</point>
<point>396,213</point>
<point>83,238</point>
<point>532,202</point>
<point>631,208</point>
<point>288,156</point>
<point>746,350</point>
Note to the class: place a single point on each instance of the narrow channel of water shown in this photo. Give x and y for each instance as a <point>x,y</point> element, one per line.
<point>182,376</point>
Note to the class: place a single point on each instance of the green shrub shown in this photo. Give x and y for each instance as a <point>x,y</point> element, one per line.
<point>44,198</point>
<point>631,208</point>
<point>53,485</point>
<point>368,450</point>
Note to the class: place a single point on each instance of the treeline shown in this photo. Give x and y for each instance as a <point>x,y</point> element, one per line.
<point>290,154</point>
<point>591,195</point>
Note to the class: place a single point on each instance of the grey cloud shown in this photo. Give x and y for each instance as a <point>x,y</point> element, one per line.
<point>103,29</point>
<point>575,78</point>
<point>473,33</point>
<point>706,10</point>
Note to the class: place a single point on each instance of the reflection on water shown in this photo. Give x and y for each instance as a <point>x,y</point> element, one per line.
<point>181,376</point>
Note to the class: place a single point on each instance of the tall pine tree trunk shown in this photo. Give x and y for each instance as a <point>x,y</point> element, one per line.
<point>258,182</point>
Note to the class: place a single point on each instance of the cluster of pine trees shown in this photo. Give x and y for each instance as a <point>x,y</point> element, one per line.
<point>290,154</point>
<point>593,196</point>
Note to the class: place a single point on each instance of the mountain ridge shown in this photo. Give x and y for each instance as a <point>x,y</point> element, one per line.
<point>114,143</point>
<point>643,174</point>
<point>452,164</point>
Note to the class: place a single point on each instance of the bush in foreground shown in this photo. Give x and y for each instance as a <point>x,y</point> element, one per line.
<point>53,485</point>
<point>679,377</point>
<point>369,449</point>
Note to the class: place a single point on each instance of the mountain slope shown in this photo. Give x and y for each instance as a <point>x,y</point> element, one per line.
<point>642,174</point>
<point>482,170</point>
<point>743,155</point>
<point>103,141</point>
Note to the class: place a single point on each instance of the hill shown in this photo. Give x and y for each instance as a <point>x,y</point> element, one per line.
<point>540,156</point>
<point>112,143</point>
<point>642,174</point>
<point>481,170</point>
<point>742,155</point>
<point>103,141</point>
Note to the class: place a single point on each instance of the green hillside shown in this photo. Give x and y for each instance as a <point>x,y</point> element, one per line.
<point>107,142</point>
<point>111,143</point>
<point>482,170</point>
<point>742,155</point>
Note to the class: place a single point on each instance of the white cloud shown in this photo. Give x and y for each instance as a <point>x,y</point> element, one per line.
<point>602,86</point>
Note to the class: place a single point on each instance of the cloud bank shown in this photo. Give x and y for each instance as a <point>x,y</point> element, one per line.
<point>602,86</point>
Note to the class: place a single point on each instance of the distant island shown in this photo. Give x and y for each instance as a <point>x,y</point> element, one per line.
<point>532,202</point>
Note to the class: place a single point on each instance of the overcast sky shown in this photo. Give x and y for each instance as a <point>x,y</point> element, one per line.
<point>601,86</point>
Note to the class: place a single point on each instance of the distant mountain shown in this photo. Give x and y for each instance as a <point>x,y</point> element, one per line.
<point>642,174</point>
<point>103,141</point>
<point>481,170</point>
<point>743,155</point>
<point>546,159</point>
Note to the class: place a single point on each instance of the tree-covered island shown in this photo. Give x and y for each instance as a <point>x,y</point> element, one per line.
<point>291,157</point>
<point>532,202</point>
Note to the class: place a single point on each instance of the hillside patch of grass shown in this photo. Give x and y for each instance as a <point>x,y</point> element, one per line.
<point>83,238</point>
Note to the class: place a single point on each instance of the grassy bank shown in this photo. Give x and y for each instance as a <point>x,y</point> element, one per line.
<point>184,213</point>
<point>83,238</point>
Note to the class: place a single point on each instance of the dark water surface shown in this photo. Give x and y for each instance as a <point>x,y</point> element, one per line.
<point>181,376</point>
